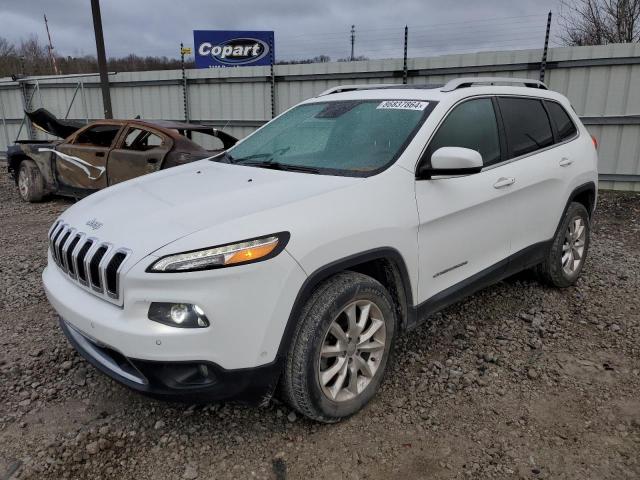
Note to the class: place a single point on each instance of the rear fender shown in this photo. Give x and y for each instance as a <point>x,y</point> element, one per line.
<point>16,154</point>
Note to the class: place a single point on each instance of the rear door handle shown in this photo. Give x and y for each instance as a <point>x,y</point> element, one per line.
<point>152,161</point>
<point>565,162</point>
<point>504,182</point>
<point>99,154</point>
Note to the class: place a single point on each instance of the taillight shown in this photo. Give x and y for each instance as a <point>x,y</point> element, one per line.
<point>595,142</point>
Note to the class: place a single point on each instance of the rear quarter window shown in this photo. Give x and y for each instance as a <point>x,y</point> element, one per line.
<point>564,125</point>
<point>526,124</point>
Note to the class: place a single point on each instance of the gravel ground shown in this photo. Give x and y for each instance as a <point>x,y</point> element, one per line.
<point>519,381</point>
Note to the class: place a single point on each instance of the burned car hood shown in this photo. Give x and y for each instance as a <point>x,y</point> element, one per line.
<point>149,212</point>
<point>49,123</point>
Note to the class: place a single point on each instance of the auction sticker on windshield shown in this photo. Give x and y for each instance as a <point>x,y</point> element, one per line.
<point>403,105</point>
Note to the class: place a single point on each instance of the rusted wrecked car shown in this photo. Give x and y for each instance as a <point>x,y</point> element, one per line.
<point>104,152</point>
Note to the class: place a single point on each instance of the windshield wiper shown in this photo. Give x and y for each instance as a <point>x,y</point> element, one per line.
<point>281,166</point>
<point>268,156</point>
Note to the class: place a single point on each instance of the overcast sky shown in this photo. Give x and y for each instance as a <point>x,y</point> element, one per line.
<point>302,28</point>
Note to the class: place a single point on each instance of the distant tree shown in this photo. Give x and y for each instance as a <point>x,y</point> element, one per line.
<point>355,59</point>
<point>316,59</point>
<point>598,22</point>
<point>30,57</point>
<point>8,57</point>
<point>35,55</point>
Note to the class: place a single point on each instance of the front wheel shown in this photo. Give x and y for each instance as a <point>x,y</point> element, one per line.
<point>569,249</point>
<point>341,348</point>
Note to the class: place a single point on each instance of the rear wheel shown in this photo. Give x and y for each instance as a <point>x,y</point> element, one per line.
<point>569,249</point>
<point>30,183</point>
<point>341,348</point>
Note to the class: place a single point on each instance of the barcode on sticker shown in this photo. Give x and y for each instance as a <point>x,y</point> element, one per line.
<point>403,105</point>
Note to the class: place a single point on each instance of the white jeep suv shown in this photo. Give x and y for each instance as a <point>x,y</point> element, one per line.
<point>293,261</point>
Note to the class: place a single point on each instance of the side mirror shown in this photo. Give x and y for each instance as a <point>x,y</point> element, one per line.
<point>452,161</point>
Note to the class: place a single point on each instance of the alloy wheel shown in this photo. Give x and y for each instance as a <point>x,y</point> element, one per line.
<point>352,351</point>
<point>573,246</point>
<point>23,183</point>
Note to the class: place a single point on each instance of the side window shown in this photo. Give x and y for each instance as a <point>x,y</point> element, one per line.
<point>99,136</point>
<point>565,127</point>
<point>473,125</point>
<point>141,140</point>
<point>526,124</point>
<point>131,138</point>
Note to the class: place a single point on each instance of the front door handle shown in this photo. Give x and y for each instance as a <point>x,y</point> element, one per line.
<point>504,182</point>
<point>99,154</point>
<point>565,162</point>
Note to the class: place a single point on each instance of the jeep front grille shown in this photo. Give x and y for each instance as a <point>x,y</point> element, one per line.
<point>94,265</point>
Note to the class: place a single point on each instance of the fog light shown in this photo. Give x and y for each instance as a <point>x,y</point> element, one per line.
<point>181,315</point>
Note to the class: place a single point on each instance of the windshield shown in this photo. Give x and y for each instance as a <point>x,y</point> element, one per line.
<point>353,137</point>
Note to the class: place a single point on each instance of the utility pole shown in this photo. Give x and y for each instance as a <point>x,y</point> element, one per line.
<point>102,58</point>
<point>51,55</point>
<point>353,41</point>
<point>543,62</point>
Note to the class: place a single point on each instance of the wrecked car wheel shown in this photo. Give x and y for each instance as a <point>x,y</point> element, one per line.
<point>30,184</point>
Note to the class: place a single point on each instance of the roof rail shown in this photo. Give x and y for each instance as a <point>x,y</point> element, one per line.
<point>464,82</point>
<point>351,88</point>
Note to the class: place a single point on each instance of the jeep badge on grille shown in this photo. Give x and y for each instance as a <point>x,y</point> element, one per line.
<point>94,224</point>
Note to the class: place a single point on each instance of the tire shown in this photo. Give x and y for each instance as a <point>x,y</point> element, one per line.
<point>562,271</point>
<point>326,309</point>
<point>30,183</point>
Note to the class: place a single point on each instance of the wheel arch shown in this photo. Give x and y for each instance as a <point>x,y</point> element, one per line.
<point>14,160</point>
<point>584,194</point>
<point>386,265</point>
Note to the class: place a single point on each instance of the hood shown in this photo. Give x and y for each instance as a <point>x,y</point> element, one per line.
<point>49,123</point>
<point>151,211</point>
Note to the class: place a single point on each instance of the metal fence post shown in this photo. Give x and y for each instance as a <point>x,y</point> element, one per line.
<point>404,67</point>
<point>75,92</point>
<point>84,102</point>
<point>26,104</point>
<point>185,93</point>
<point>273,80</point>
<point>543,62</point>
<point>4,122</point>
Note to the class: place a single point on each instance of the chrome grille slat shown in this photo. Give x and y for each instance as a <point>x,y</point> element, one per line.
<point>88,257</point>
<point>54,239</point>
<point>71,233</point>
<point>73,267</point>
<point>113,293</point>
<point>74,253</point>
<point>86,246</point>
<point>66,243</point>
<point>99,285</point>
<point>62,238</point>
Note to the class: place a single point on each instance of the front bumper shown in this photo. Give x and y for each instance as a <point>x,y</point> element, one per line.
<point>248,307</point>
<point>192,382</point>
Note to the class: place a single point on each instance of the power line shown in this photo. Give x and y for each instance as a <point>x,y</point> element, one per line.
<point>429,26</point>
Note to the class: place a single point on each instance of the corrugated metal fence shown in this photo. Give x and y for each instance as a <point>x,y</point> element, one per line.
<point>602,82</point>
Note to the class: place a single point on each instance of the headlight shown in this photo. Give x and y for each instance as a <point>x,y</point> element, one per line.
<point>239,253</point>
